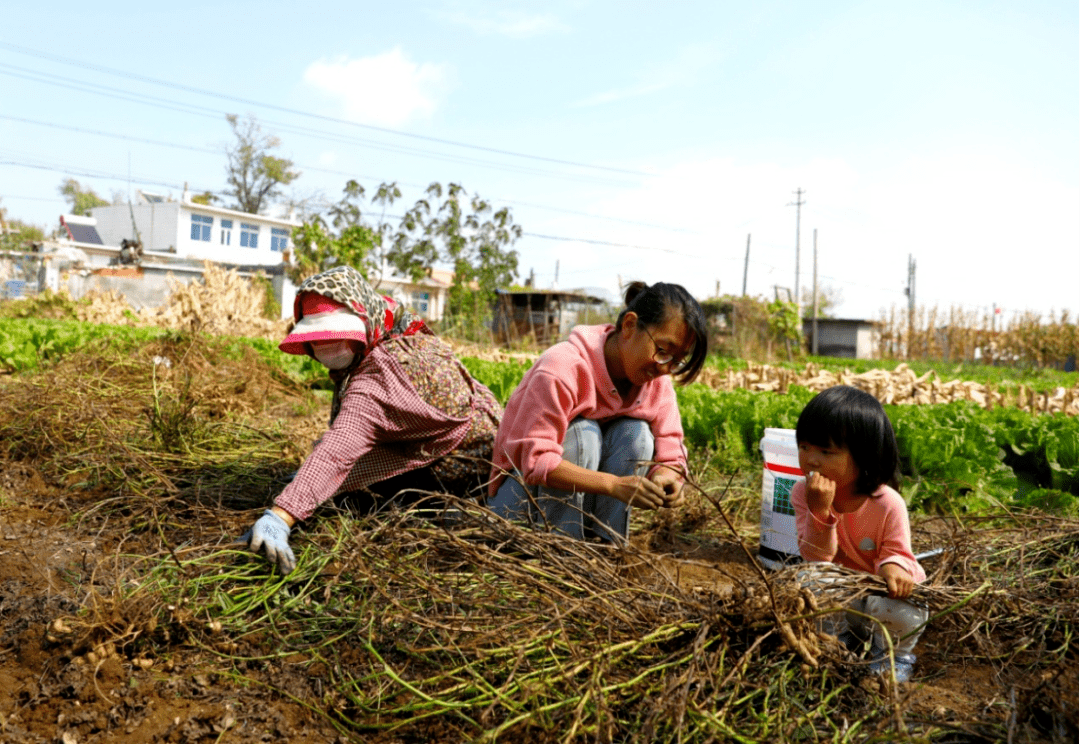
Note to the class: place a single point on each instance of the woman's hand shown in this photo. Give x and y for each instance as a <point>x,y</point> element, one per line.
<point>270,535</point>
<point>671,481</point>
<point>820,492</point>
<point>897,579</point>
<point>636,490</point>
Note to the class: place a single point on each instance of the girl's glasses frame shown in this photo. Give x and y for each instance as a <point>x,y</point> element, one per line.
<point>662,357</point>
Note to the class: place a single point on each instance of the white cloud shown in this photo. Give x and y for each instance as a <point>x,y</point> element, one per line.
<point>387,89</point>
<point>513,23</point>
<point>327,157</point>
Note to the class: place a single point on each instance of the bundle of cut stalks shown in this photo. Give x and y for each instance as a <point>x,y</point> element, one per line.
<point>465,627</point>
<point>223,303</point>
<point>900,386</point>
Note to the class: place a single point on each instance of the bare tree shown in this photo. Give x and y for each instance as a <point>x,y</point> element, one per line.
<point>255,176</point>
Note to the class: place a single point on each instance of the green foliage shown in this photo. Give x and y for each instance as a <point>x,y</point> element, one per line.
<point>752,327</point>
<point>271,308</point>
<point>954,457</point>
<point>20,236</point>
<point>960,456</point>
<point>255,177</point>
<point>1045,448</point>
<point>47,304</point>
<point>82,200</point>
<point>296,366</point>
<point>784,321</point>
<point>733,423</point>
<point>467,233</point>
<point>343,239</point>
<point>501,378</point>
<point>950,458</point>
<point>28,343</point>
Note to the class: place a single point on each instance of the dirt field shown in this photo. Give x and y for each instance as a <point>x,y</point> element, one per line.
<point>92,649</point>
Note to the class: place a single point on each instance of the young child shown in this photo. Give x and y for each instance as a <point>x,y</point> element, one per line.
<point>849,512</point>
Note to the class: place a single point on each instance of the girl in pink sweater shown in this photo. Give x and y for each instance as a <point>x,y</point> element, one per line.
<point>572,449</point>
<point>849,512</point>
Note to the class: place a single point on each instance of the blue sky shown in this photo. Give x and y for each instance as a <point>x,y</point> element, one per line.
<point>946,130</point>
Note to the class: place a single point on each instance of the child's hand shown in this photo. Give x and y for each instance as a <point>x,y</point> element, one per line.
<point>820,492</point>
<point>898,580</point>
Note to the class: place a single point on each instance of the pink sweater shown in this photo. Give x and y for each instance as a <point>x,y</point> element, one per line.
<point>568,381</point>
<point>877,532</point>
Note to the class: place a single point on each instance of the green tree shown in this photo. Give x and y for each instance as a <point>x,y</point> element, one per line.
<point>81,200</point>
<point>467,233</point>
<point>17,235</point>
<point>339,237</point>
<point>785,324</point>
<point>255,177</point>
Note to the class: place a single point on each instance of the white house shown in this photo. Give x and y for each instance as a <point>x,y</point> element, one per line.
<point>195,232</point>
<point>178,235</point>
<point>427,297</point>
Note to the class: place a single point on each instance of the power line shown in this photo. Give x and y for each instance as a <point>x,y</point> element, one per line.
<point>193,148</point>
<point>318,134</point>
<point>608,243</point>
<point>32,198</point>
<point>164,103</point>
<point>108,176</point>
<point>298,112</point>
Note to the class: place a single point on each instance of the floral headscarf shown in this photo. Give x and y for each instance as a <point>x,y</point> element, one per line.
<point>383,317</point>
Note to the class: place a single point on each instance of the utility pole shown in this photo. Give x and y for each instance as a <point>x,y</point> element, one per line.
<point>814,344</point>
<point>746,265</point>
<point>910,292</point>
<point>798,214</point>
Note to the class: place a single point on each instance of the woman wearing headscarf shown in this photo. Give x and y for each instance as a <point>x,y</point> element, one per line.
<point>405,412</point>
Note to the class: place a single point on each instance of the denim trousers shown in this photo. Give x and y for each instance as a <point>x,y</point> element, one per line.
<point>618,447</point>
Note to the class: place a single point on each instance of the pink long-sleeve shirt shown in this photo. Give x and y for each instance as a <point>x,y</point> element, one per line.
<point>568,381</point>
<point>876,533</point>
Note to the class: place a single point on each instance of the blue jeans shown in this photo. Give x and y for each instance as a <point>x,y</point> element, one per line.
<point>616,448</point>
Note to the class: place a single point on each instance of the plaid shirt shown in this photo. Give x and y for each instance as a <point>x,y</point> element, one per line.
<point>408,404</point>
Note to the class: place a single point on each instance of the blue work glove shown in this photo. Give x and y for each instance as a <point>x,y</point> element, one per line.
<point>271,535</point>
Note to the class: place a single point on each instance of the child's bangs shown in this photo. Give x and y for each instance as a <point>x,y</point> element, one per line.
<point>823,426</point>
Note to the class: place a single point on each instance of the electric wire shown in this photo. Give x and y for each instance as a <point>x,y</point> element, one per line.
<point>318,169</point>
<point>285,109</point>
<point>155,101</point>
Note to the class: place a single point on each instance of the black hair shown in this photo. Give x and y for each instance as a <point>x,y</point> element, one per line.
<point>844,416</point>
<point>654,304</point>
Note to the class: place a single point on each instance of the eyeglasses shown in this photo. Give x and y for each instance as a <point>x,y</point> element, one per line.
<point>662,357</point>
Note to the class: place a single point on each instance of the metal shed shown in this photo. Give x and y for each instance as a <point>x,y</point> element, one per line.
<point>545,314</point>
<point>847,338</point>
